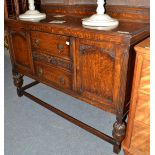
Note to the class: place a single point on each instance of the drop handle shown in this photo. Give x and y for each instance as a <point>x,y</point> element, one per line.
<point>36,42</point>
<point>40,71</point>
<point>62,80</point>
<point>60,47</point>
<point>53,61</point>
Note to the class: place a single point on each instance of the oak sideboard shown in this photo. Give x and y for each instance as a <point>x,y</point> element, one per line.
<point>95,66</point>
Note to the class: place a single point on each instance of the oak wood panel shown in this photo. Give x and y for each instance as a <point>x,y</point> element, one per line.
<point>5,10</point>
<point>140,139</point>
<point>51,44</point>
<point>139,3</point>
<point>142,112</point>
<point>117,11</point>
<point>20,49</point>
<point>68,2</point>
<point>94,60</point>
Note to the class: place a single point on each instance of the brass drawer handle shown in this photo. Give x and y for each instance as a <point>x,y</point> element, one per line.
<point>53,61</point>
<point>60,47</point>
<point>62,80</point>
<point>36,42</point>
<point>39,71</point>
<point>69,66</point>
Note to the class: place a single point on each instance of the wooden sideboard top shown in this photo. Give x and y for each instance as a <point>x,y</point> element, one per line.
<point>126,33</point>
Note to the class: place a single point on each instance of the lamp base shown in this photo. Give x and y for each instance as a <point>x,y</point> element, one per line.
<point>32,15</point>
<point>100,20</point>
<point>105,28</point>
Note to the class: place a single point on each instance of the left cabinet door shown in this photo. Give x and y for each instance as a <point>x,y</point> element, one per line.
<point>20,51</point>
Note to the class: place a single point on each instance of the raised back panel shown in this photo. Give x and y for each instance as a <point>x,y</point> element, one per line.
<point>133,3</point>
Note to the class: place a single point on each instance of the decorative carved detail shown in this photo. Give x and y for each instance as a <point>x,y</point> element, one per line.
<point>114,10</point>
<point>18,79</point>
<point>18,82</point>
<point>87,48</point>
<point>53,60</point>
<point>119,131</point>
<point>69,9</point>
<point>118,134</point>
<point>36,42</point>
<point>84,48</point>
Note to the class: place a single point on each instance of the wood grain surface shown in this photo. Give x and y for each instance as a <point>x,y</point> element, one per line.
<point>137,139</point>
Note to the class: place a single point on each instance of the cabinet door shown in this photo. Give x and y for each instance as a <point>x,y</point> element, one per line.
<point>20,51</point>
<point>95,64</point>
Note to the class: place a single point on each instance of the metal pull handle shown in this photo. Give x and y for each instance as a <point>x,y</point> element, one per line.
<point>62,80</point>
<point>60,47</point>
<point>53,61</point>
<point>36,42</point>
<point>40,71</point>
<point>81,89</point>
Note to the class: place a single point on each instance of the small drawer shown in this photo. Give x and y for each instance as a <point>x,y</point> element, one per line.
<point>52,60</point>
<point>142,113</point>
<point>51,44</point>
<point>140,139</point>
<point>55,76</point>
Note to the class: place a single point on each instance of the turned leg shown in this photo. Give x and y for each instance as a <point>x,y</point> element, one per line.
<point>118,134</point>
<point>18,82</point>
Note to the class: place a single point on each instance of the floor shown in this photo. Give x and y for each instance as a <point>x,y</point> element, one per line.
<point>33,130</point>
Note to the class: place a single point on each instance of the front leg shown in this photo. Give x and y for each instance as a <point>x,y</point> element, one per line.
<point>18,82</point>
<point>118,134</point>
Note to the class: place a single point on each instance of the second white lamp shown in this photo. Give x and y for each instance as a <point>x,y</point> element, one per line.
<point>100,19</point>
<point>32,14</point>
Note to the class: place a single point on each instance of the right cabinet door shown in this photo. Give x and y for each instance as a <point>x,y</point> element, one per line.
<point>95,65</point>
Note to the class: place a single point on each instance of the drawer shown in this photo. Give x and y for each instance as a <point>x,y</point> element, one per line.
<point>51,44</point>
<point>52,60</point>
<point>142,113</point>
<point>140,139</point>
<point>55,76</point>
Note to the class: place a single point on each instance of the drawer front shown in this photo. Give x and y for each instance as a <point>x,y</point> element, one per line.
<point>51,44</point>
<point>140,140</point>
<point>52,60</point>
<point>57,77</point>
<point>142,113</point>
<point>143,96</point>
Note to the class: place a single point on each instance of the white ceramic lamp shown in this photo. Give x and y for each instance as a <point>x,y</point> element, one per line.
<point>32,14</point>
<point>100,19</point>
